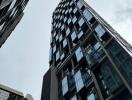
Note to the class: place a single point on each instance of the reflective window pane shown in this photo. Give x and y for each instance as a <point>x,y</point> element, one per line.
<point>81,22</point>
<point>79,4</point>
<point>87,15</point>
<point>57,55</point>
<point>80,34</point>
<point>100,31</point>
<point>74,98</point>
<point>54,49</point>
<point>67,32</point>
<point>91,97</point>
<point>74,20</point>
<point>73,36</point>
<point>79,54</point>
<point>64,43</point>
<point>64,85</point>
<point>78,81</point>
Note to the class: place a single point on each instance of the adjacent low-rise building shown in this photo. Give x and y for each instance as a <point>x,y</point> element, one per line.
<point>7,93</point>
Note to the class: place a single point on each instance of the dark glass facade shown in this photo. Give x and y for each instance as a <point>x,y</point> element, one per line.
<point>92,61</point>
<point>11,12</point>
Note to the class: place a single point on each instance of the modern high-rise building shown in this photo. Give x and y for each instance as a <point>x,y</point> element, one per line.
<point>89,60</point>
<point>11,12</point>
<point>7,93</point>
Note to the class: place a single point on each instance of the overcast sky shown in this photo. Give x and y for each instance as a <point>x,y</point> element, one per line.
<point>24,56</point>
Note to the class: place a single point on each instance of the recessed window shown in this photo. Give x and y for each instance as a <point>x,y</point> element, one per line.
<point>81,22</point>
<point>57,56</point>
<point>102,33</point>
<point>69,20</point>
<point>60,38</point>
<point>75,10</point>
<point>54,49</point>
<point>79,4</point>
<point>67,31</point>
<point>78,81</point>
<point>62,27</point>
<point>74,20</point>
<point>65,19</point>
<point>50,56</point>
<point>64,86</point>
<point>80,34</point>
<point>70,10</point>
<point>73,36</point>
<point>57,37</point>
<point>100,30</point>
<point>91,97</point>
<point>74,98</point>
<point>64,43</point>
<point>79,54</point>
<point>87,15</point>
<point>62,56</point>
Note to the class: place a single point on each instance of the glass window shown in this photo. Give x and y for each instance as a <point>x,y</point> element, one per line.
<point>75,10</point>
<point>50,56</point>
<point>57,56</point>
<point>91,97</point>
<point>62,56</point>
<point>80,34</point>
<point>78,81</point>
<point>122,60</point>
<point>87,15</point>
<point>79,4</point>
<point>67,32</point>
<point>62,27</point>
<point>79,54</point>
<point>74,20</point>
<point>81,22</point>
<point>64,86</point>
<point>108,79</point>
<point>65,19</point>
<point>73,36</point>
<point>100,31</point>
<point>69,20</point>
<point>57,37</point>
<point>97,46</point>
<point>60,38</point>
<point>70,10</point>
<point>74,98</point>
<point>64,43</point>
<point>54,49</point>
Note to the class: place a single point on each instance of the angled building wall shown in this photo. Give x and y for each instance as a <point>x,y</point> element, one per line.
<point>91,60</point>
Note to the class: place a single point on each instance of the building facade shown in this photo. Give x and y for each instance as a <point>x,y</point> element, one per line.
<point>91,60</point>
<point>11,12</point>
<point>7,93</point>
